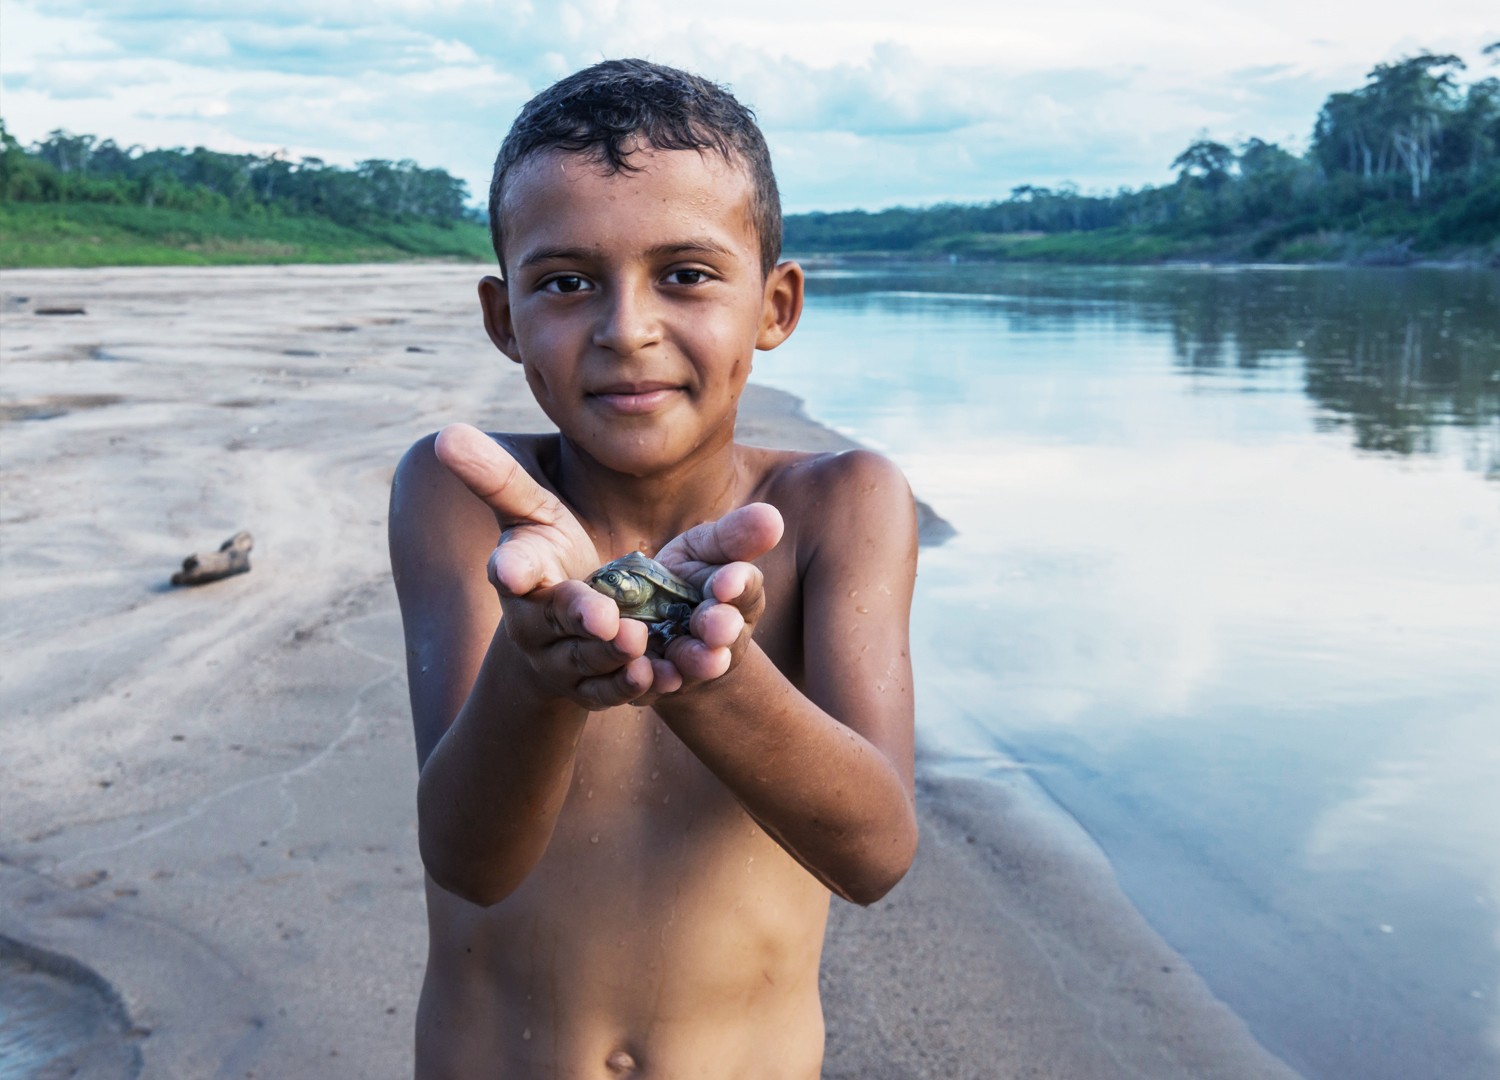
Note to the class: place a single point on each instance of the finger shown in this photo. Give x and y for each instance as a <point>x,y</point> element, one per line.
<point>665,678</point>
<point>572,660</point>
<point>740,535</point>
<point>575,610</point>
<point>522,563</point>
<point>496,477</point>
<point>737,583</point>
<point>697,662</point>
<point>619,688</point>
<point>717,625</point>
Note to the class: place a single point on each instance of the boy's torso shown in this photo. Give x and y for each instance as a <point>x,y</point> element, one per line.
<point>664,933</point>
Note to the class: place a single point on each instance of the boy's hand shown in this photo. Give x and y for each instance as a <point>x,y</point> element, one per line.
<point>715,557</point>
<point>574,637</point>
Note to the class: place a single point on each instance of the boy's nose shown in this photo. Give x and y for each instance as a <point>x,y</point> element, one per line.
<point>630,322</point>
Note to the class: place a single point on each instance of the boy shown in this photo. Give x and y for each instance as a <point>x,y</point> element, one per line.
<point>630,849</point>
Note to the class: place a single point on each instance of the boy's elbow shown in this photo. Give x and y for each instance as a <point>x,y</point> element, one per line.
<point>473,880</point>
<point>884,868</point>
<point>479,890</point>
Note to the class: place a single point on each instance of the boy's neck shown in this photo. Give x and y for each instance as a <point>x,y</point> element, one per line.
<point>641,513</point>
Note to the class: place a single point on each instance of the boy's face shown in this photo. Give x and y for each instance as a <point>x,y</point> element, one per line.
<point>635,301</point>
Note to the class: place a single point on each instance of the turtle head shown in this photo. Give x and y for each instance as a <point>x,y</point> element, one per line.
<point>624,588</point>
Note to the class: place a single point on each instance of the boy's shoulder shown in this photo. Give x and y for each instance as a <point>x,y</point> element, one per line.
<point>838,499</point>
<point>826,473</point>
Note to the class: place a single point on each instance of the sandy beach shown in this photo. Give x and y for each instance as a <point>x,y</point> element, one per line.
<point>208,861</point>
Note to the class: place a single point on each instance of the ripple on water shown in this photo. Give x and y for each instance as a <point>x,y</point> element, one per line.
<point>59,1018</point>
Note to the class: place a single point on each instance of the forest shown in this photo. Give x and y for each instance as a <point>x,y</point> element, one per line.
<point>84,168</point>
<point>1406,166</point>
<point>81,200</point>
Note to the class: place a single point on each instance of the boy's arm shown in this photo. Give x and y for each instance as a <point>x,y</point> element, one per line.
<point>827,770</point>
<point>497,703</point>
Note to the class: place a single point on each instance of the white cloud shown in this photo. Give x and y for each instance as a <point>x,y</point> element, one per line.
<point>866,104</point>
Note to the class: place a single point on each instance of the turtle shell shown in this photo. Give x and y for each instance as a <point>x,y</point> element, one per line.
<point>645,589</point>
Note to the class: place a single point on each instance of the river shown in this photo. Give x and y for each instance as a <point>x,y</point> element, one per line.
<point>1226,583</point>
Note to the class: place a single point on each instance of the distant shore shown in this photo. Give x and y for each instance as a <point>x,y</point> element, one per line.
<point>81,235</point>
<point>210,797</point>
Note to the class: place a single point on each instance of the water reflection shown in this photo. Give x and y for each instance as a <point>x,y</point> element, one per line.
<point>1407,361</point>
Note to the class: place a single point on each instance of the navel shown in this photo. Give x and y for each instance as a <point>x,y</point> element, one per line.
<point>620,1062</point>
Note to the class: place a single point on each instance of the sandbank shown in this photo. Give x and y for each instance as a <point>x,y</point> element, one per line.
<point>209,797</point>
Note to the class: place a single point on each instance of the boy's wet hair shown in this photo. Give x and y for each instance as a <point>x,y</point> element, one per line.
<point>611,109</point>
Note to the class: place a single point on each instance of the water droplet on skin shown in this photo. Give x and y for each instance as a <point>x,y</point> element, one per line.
<point>853,593</point>
<point>862,610</point>
<point>655,773</point>
<point>666,800</point>
<point>526,1034</point>
<point>594,839</point>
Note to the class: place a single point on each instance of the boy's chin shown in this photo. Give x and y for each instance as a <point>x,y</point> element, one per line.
<point>643,459</point>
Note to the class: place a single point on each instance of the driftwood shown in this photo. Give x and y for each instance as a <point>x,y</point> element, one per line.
<point>233,557</point>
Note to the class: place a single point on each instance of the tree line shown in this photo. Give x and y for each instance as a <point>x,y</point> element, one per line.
<point>84,168</point>
<point>1412,154</point>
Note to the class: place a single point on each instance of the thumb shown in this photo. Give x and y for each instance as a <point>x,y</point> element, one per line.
<point>496,477</point>
<point>741,535</point>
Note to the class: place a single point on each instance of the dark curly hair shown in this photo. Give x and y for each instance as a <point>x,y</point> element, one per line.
<point>608,110</point>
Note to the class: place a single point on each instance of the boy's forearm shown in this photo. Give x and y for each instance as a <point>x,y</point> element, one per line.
<point>490,792</point>
<point>831,798</point>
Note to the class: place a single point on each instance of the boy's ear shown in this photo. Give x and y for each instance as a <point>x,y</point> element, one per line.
<point>782,306</point>
<point>494,301</point>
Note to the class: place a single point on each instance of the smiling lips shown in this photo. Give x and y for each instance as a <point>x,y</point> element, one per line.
<point>634,398</point>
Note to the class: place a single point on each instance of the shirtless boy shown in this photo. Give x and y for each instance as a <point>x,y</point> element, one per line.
<point>630,855</point>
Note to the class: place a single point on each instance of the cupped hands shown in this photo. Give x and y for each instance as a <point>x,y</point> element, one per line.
<point>575,639</point>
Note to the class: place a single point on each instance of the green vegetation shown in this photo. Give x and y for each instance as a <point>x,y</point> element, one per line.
<point>93,234</point>
<point>76,201</point>
<point>1407,167</point>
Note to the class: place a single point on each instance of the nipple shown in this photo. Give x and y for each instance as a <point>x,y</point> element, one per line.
<point>620,1062</point>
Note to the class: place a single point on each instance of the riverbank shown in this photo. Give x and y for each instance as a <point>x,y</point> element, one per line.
<point>211,793</point>
<point>36,235</point>
<point>81,235</point>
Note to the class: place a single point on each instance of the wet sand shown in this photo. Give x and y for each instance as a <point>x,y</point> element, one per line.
<point>209,798</point>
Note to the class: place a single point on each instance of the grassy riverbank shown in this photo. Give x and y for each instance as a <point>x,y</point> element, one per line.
<point>96,234</point>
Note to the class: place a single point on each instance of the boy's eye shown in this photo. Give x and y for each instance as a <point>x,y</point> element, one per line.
<point>687,277</point>
<point>565,283</point>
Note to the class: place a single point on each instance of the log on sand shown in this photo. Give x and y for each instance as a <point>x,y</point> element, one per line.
<point>233,557</point>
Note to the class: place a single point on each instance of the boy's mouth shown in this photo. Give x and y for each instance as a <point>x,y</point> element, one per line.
<point>632,398</point>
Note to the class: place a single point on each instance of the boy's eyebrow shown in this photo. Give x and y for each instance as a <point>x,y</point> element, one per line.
<point>695,246</point>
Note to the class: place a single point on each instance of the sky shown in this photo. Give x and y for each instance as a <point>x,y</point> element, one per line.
<point>865,105</point>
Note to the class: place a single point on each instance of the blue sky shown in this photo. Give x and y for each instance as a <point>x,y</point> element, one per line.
<point>865,104</point>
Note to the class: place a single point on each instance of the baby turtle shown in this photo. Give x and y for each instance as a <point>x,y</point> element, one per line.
<point>646,590</point>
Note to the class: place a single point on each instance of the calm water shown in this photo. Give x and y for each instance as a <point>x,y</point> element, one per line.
<point>1227,582</point>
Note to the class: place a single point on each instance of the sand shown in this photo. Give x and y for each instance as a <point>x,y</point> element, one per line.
<point>207,819</point>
